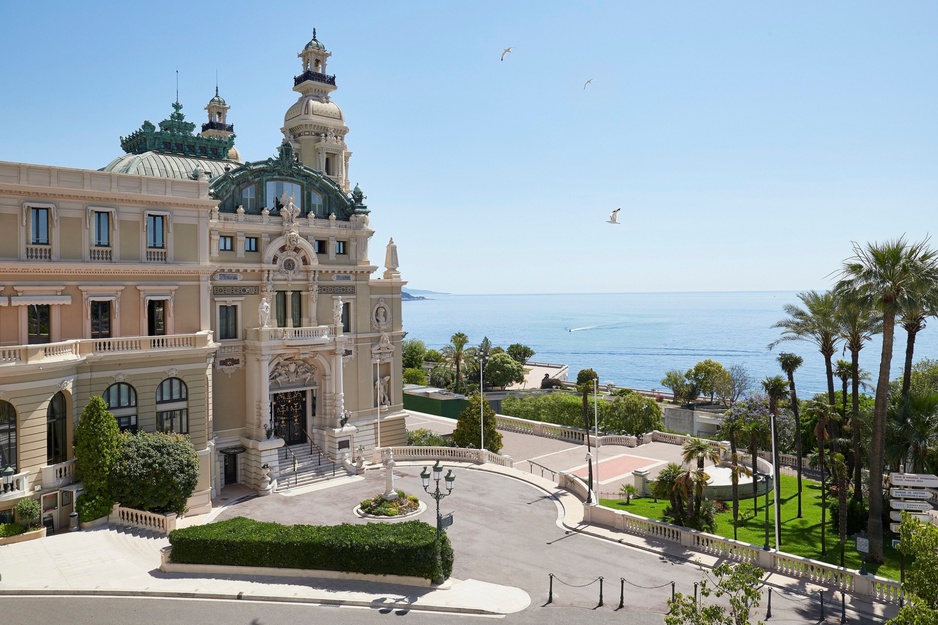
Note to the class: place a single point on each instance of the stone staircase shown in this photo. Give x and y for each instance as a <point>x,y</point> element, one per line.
<point>311,466</point>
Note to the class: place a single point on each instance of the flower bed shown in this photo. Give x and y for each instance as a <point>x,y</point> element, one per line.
<point>379,506</point>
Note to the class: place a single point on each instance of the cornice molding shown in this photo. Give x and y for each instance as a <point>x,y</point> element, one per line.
<point>81,195</point>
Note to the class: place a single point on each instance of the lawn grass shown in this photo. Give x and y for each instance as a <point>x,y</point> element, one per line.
<point>801,537</point>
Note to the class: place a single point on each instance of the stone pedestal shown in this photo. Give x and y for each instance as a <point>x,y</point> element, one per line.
<point>640,476</point>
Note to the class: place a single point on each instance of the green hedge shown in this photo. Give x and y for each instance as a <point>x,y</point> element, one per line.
<point>407,549</point>
<point>11,529</point>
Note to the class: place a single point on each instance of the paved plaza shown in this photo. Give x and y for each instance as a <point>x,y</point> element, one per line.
<point>512,531</point>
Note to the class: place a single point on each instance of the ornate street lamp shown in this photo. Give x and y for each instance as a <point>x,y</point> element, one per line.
<point>589,483</point>
<point>482,361</point>
<point>765,480</point>
<point>8,477</point>
<point>436,493</point>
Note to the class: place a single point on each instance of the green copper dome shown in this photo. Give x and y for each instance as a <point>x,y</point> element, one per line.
<point>314,44</point>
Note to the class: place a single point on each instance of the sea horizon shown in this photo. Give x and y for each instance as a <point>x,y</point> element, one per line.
<point>633,339</point>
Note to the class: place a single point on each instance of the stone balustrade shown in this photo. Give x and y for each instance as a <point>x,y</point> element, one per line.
<point>81,348</point>
<point>17,487</point>
<point>453,454</point>
<point>57,475</point>
<point>128,517</point>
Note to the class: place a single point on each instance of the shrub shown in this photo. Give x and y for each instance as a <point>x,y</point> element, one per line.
<point>378,506</point>
<point>409,548</point>
<point>93,506</point>
<point>857,515</point>
<point>11,529</point>
<point>415,375</point>
<point>27,511</point>
<point>467,430</point>
<point>425,438</point>
<point>97,445</point>
<point>155,472</point>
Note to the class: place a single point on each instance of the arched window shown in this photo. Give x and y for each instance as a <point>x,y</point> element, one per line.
<point>121,399</point>
<point>7,437</point>
<point>56,422</point>
<point>172,407</point>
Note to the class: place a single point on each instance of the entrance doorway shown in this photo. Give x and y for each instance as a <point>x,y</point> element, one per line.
<point>289,410</point>
<point>231,469</point>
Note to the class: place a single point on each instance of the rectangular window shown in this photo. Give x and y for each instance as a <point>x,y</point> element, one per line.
<point>102,229</point>
<point>156,317</point>
<point>227,322</point>
<point>340,247</point>
<point>173,421</point>
<point>38,323</point>
<point>40,225</point>
<point>248,199</point>
<point>346,316</point>
<point>296,308</point>
<point>101,320</point>
<point>320,246</point>
<point>225,243</point>
<point>280,191</point>
<point>155,227</point>
<point>127,423</point>
<point>250,244</point>
<point>281,301</point>
<point>289,301</point>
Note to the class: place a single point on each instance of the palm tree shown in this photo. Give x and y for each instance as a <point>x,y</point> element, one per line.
<point>858,323</point>
<point>731,428</point>
<point>454,353</point>
<point>757,428</point>
<point>917,309</point>
<point>789,364</point>
<point>774,387</point>
<point>823,412</point>
<point>885,275</point>
<point>841,473</point>
<point>816,323</point>
<point>584,384</point>
<point>913,433</point>
<point>699,450</point>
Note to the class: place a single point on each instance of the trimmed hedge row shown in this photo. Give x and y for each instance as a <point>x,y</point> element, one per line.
<point>408,548</point>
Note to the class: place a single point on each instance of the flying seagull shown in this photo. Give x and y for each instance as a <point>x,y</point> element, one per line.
<point>614,217</point>
<point>506,51</point>
<point>587,82</point>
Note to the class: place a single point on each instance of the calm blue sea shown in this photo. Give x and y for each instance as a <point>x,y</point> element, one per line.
<point>633,339</point>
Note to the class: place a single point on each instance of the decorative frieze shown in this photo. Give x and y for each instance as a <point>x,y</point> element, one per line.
<point>234,290</point>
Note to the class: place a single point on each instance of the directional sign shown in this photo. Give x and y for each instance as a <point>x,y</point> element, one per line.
<point>908,493</point>
<point>910,504</point>
<point>446,521</point>
<point>916,480</point>
<point>895,543</point>
<point>896,515</point>
<point>894,527</point>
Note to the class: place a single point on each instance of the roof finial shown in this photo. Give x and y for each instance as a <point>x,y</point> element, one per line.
<point>216,83</point>
<point>177,84</point>
<point>314,34</point>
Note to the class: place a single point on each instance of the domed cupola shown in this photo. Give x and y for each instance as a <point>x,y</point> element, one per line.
<point>217,125</point>
<point>314,124</point>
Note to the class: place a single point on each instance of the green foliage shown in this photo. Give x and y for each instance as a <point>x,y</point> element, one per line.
<point>415,375</point>
<point>920,541</point>
<point>857,515</point>
<point>409,548</point>
<point>467,432</point>
<point>628,491</point>
<point>425,438</point>
<point>502,370</point>
<point>708,376</point>
<point>630,414</point>
<point>413,352</point>
<point>379,506</point>
<point>558,408</point>
<point>155,471</point>
<point>11,529</point>
<point>739,584</point>
<point>584,379</point>
<point>93,506</point>
<point>520,353</point>
<point>27,511</point>
<point>441,377</point>
<point>97,446</point>
<point>433,355</point>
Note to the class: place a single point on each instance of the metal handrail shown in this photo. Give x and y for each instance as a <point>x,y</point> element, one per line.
<point>322,455</point>
<point>296,462</point>
<point>531,464</point>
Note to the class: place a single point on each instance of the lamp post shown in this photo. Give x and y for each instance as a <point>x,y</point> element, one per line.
<point>378,400</point>
<point>589,483</point>
<point>596,424</point>
<point>776,485</point>
<point>645,414</point>
<point>436,493</point>
<point>7,477</point>
<point>765,479</point>
<point>481,407</point>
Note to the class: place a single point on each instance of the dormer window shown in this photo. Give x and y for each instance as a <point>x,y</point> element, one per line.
<point>278,189</point>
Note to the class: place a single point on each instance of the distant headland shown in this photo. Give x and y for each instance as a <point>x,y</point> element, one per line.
<point>417,294</point>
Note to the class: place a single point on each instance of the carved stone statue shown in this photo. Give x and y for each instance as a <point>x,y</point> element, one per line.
<point>263,312</point>
<point>390,261</point>
<point>337,311</point>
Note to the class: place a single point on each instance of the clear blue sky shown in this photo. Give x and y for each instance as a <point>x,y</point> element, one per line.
<point>747,143</point>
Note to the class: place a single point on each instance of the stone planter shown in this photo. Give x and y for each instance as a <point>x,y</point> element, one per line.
<point>19,538</point>
<point>90,525</point>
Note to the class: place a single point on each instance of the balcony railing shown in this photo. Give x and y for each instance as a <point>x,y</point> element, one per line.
<point>155,255</point>
<point>307,335</point>
<point>58,475</point>
<point>81,348</point>
<point>315,77</point>
<point>38,252</point>
<point>16,487</point>
<point>218,126</point>
<point>100,254</point>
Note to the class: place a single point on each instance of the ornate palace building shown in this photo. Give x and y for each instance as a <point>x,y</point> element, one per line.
<point>234,302</point>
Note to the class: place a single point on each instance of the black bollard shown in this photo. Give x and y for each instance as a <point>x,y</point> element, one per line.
<point>673,596</point>
<point>843,607</point>
<point>600,590</point>
<point>768,613</point>
<point>821,595</point>
<point>621,592</point>
<point>695,594</point>
<point>550,593</point>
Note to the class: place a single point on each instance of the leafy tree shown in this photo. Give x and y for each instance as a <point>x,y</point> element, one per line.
<point>739,583</point>
<point>752,414</point>
<point>27,512</point>
<point>885,276</point>
<point>433,355</point>
<point>413,353</point>
<point>630,414</point>
<point>503,370</point>
<point>441,377</point>
<point>557,408</point>
<point>912,434</point>
<point>520,353</point>
<point>467,432</point>
<point>919,541</point>
<point>675,381</point>
<point>707,375</point>
<point>415,375</point>
<point>97,446</point>
<point>425,438</point>
<point>735,385</point>
<point>155,471</point>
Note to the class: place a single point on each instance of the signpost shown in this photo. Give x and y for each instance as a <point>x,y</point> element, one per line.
<point>915,505</point>
<point>911,498</point>
<point>915,480</point>
<point>863,548</point>
<point>896,515</point>
<point>909,493</point>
